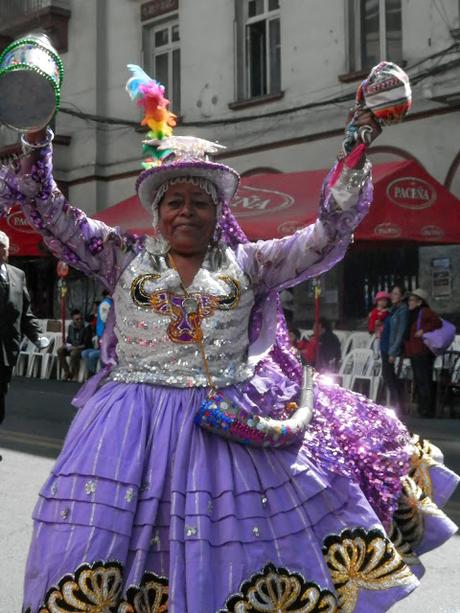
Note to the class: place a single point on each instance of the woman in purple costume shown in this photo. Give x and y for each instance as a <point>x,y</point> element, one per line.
<point>147,512</point>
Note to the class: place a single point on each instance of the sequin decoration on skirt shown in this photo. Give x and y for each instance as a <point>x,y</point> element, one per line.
<point>145,511</point>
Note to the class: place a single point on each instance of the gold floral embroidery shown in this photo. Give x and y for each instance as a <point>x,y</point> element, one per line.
<point>94,588</point>
<point>361,559</point>
<point>413,506</point>
<point>276,590</point>
<point>402,546</point>
<point>150,597</point>
<point>97,588</point>
<point>425,456</point>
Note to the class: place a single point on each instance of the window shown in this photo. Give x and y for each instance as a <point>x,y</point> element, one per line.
<point>258,48</point>
<point>375,32</point>
<point>162,58</point>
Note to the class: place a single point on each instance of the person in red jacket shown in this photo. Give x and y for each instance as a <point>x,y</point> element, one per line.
<point>421,319</point>
<point>379,313</point>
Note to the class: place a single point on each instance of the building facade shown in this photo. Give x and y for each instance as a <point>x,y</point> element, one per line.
<point>273,80</point>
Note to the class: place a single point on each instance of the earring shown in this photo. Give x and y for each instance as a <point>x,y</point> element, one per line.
<point>161,245</point>
<point>216,236</point>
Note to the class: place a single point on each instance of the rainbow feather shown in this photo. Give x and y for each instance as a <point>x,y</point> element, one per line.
<point>149,94</point>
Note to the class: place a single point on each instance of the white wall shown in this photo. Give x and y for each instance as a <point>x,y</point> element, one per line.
<point>106,35</point>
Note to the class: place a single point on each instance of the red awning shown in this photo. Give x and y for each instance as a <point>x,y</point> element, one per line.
<point>409,204</point>
<point>23,238</point>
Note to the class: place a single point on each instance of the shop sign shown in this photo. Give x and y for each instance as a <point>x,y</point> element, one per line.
<point>432,232</point>
<point>388,230</point>
<point>18,222</point>
<point>253,201</point>
<point>441,280</point>
<point>155,8</point>
<point>411,193</point>
<point>440,263</point>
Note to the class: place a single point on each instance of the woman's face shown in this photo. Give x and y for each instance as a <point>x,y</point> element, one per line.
<point>414,302</point>
<point>396,295</point>
<point>382,303</point>
<point>187,218</point>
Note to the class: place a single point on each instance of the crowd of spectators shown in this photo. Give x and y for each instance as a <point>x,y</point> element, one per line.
<point>83,338</point>
<point>398,322</point>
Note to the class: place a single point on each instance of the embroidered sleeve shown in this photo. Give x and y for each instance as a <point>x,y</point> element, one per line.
<point>86,244</point>
<point>280,263</point>
<point>8,191</point>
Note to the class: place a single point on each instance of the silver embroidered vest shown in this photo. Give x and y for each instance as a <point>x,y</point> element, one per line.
<point>157,325</point>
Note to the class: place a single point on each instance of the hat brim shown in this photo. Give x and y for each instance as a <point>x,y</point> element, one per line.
<point>382,296</point>
<point>223,177</point>
<point>417,295</point>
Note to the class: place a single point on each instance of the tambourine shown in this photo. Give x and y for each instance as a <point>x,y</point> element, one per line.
<point>31,74</point>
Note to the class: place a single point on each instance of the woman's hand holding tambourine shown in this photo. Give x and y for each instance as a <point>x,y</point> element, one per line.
<point>384,98</point>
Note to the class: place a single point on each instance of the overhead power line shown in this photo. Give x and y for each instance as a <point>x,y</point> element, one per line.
<point>347,97</point>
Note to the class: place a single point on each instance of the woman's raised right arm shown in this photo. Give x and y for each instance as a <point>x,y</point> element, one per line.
<point>86,244</point>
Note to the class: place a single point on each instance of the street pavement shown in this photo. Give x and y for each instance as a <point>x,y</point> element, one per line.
<point>39,414</point>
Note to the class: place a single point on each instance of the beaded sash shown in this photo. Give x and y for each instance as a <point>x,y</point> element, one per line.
<point>221,416</point>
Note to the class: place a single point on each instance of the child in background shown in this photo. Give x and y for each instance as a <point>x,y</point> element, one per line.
<point>379,313</point>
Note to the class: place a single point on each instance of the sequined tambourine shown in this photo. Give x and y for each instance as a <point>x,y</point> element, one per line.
<point>31,76</point>
<point>386,93</point>
<point>223,417</point>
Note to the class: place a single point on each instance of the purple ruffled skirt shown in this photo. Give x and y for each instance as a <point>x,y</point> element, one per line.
<point>146,512</point>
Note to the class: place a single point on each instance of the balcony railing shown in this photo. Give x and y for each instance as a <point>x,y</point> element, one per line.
<point>14,9</point>
<point>18,17</point>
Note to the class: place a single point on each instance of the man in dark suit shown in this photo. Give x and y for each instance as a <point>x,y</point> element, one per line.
<point>16,319</point>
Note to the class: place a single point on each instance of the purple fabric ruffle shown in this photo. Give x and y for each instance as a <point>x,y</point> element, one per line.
<point>139,483</point>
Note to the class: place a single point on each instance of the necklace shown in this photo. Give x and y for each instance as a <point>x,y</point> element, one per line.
<point>192,308</point>
<point>222,416</point>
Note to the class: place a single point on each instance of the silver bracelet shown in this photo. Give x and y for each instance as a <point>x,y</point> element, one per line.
<point>26,146</point>
<point>354,179</point>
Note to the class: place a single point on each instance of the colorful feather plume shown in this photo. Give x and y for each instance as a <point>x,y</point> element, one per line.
<point>149,94</point>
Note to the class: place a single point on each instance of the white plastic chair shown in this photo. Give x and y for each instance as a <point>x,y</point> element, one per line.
<point>34,364</point>
<point>53,325</point>
<point>50,358</point>
<point>365,368</point>
<point>82,370</point>
<point>349,367</point>
<point>377,382</point>
<point>456,344</point>
<point>342,335</point>
<point>357,340</point>
<point>25,353</point>
<point>360,365</point>
<point>374,345</point>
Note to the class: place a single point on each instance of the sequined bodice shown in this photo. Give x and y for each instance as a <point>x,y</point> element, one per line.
<point>157,325</point>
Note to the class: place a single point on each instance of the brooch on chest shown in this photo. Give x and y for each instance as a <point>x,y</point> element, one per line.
<point>185,311</point>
